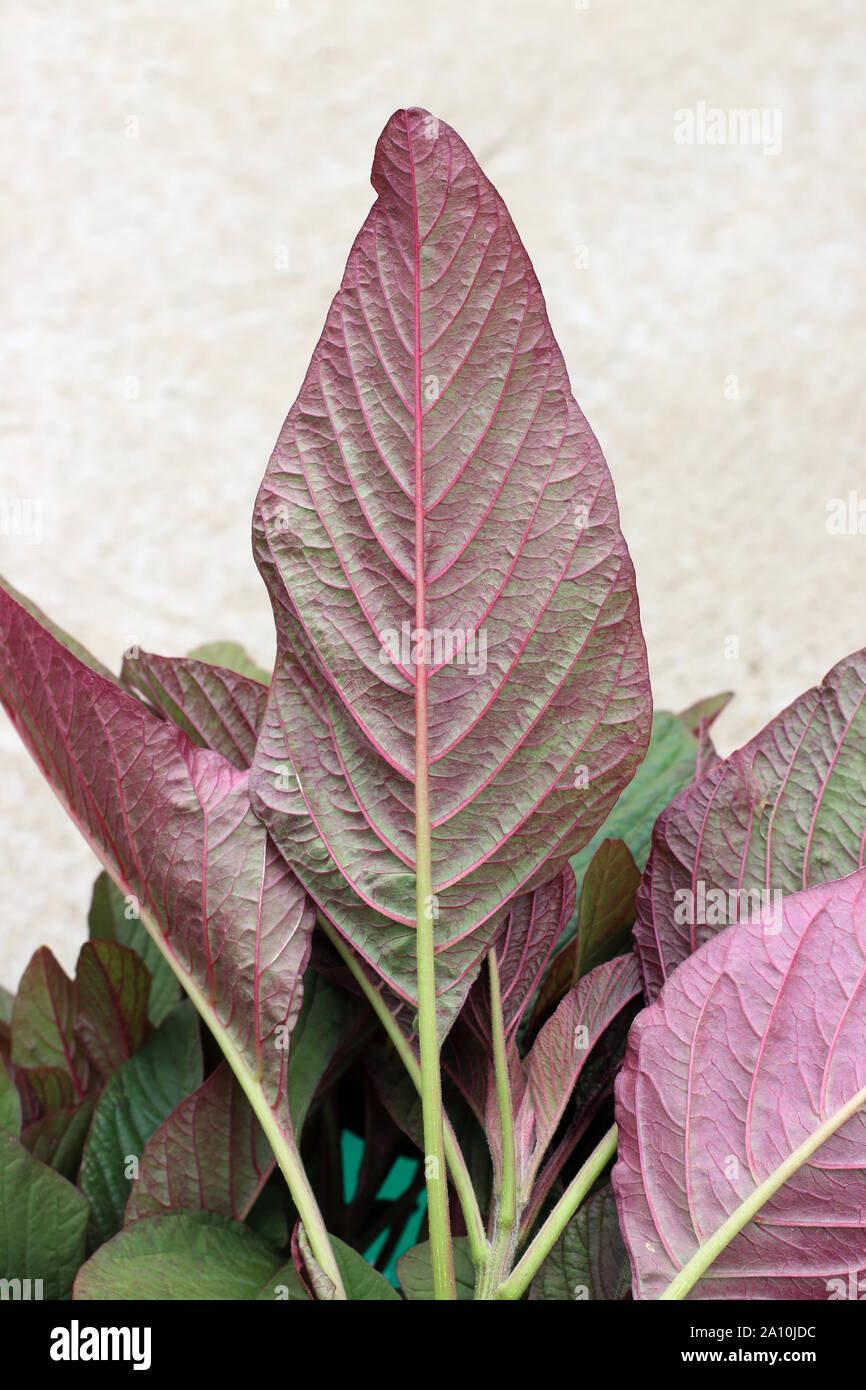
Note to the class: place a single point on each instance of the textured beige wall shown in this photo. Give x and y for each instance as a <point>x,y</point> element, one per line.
<point>158,155</point>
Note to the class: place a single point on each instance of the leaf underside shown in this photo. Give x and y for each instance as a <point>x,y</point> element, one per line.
<point>785,812</point>
<point>438,348</point>
<point>172,824</point>
<point>755,1042</point>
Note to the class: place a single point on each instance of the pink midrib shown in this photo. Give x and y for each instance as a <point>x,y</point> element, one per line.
<point>422,810</point>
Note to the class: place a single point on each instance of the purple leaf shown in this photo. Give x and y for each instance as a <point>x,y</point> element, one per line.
<point>528,936</point>
<point>173,826</point>
<point>217,707</point>
<point>436,463</point>
<point>699,719</point>
<point>594,1089</point>
<point>209,1155</point>
<point>755,1043</point>
<point>786,811</point>
<point>560,1051</point>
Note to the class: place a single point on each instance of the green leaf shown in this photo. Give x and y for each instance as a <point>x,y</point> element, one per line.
<point>705,711</point>
<point>50,1088</point>
<point>669,766</point>
<point>42,1222</point>
<point>58,1139</point>
<point>362,1282</point>
<point>326,1014</point>
<point>7,1002</point>
<point>268,1217</point>
<point>233,655</point>
<point>415,1272</point>
<point>113,917</point>
<point>606,908</point>
<point>589,1261</point>
<point>113,988</point>
<point>137,1098</point>
<point>43,1021</point>
<point>285,1285</point>
<point>190,1256</point>
<point>10,1102</point>
<point>605,916</point>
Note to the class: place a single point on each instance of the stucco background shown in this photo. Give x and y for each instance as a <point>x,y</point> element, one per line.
<point>181,183</point>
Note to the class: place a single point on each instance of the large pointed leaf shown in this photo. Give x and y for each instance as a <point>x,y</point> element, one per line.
<point>217,707</point>
<point>751,1053</point>
<point>435,492</point>
<point>209,1155</point>
<point>172,825</point>
<point>786,811</point>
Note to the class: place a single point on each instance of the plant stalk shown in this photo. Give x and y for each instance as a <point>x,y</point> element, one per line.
<point>505,1228</point>
<point>454,1156</point>
<point>441,1252</point>
<point>540,1247</point>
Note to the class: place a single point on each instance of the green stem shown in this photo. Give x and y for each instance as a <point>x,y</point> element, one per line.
<point>441,1253</point>
<point>504,1240</point>
<point>539,1249</point>
<point>456,1161</point>
<point>712,1248</point>
<point>508,1187</point>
